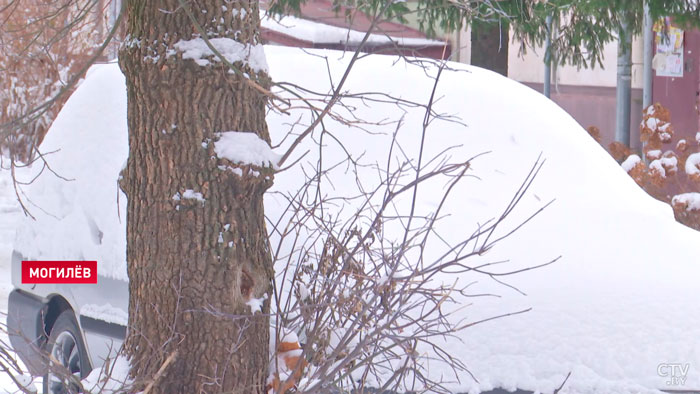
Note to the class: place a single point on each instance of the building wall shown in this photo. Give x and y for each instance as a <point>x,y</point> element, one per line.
<point>681,95</point>
<point>530,67</point>
<point>595,106</point>
<point>588,95</point>
<point>462,46</point>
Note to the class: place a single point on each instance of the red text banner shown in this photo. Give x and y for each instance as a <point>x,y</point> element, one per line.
<point>59,272</point>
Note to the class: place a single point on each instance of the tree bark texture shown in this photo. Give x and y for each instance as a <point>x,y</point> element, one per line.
<point>193,265</point>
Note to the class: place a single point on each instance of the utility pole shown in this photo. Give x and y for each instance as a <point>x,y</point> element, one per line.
<point>624,84</point>
<point>648,55</point>
<point>548,59</point>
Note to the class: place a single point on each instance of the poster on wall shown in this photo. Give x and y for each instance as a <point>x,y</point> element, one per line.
<point>668,60</point>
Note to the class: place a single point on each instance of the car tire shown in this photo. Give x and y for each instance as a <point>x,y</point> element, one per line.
<point>66,346</point>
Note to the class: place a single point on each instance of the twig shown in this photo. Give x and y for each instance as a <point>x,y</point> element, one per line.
<point>562,383</point>
<point>160,372</point>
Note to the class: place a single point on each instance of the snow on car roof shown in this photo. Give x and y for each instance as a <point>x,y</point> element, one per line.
<point>620,303</point>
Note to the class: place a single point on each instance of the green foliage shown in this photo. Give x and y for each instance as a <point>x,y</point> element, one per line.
<point>685,13</point>
<point>582,27</point>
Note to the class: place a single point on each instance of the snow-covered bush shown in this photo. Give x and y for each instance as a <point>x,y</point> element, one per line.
<point>673,173</point>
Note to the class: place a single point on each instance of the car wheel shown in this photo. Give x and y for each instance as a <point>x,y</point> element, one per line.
<point>65,347</point>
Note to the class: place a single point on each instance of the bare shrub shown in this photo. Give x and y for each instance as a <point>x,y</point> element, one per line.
<point>595,133</point>
<point>110,378</point>
<point>363,300</point>
<point>618,150</point>
<point>45,48</point>
<point>669,173</point>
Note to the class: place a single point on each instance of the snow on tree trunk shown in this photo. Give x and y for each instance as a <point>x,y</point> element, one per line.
<point>197,254</point>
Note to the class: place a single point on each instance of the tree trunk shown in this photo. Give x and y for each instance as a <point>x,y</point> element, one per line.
<point>193,264</point>
<point>490,46</point>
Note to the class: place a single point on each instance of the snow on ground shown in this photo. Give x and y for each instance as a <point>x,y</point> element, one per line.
<point>109,380</point>
<point>616,310</point>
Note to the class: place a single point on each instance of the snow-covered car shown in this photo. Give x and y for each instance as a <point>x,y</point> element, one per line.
<point>620,303</point>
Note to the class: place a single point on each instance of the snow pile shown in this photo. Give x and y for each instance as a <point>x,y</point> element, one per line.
<point>232,50</point>
<point>692,164</point>
<point>112,378</point>
<point>245,148</point>
<point>630,162</point>
<point>105,312</point>
<point>607,313</point>
<point>691,201</point>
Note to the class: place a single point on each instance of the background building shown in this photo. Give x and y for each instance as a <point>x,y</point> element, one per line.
<point>589,94</point>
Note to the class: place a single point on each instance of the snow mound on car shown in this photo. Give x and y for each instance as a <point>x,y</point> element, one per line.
<point>620,302</point>
<point>80,210</point>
